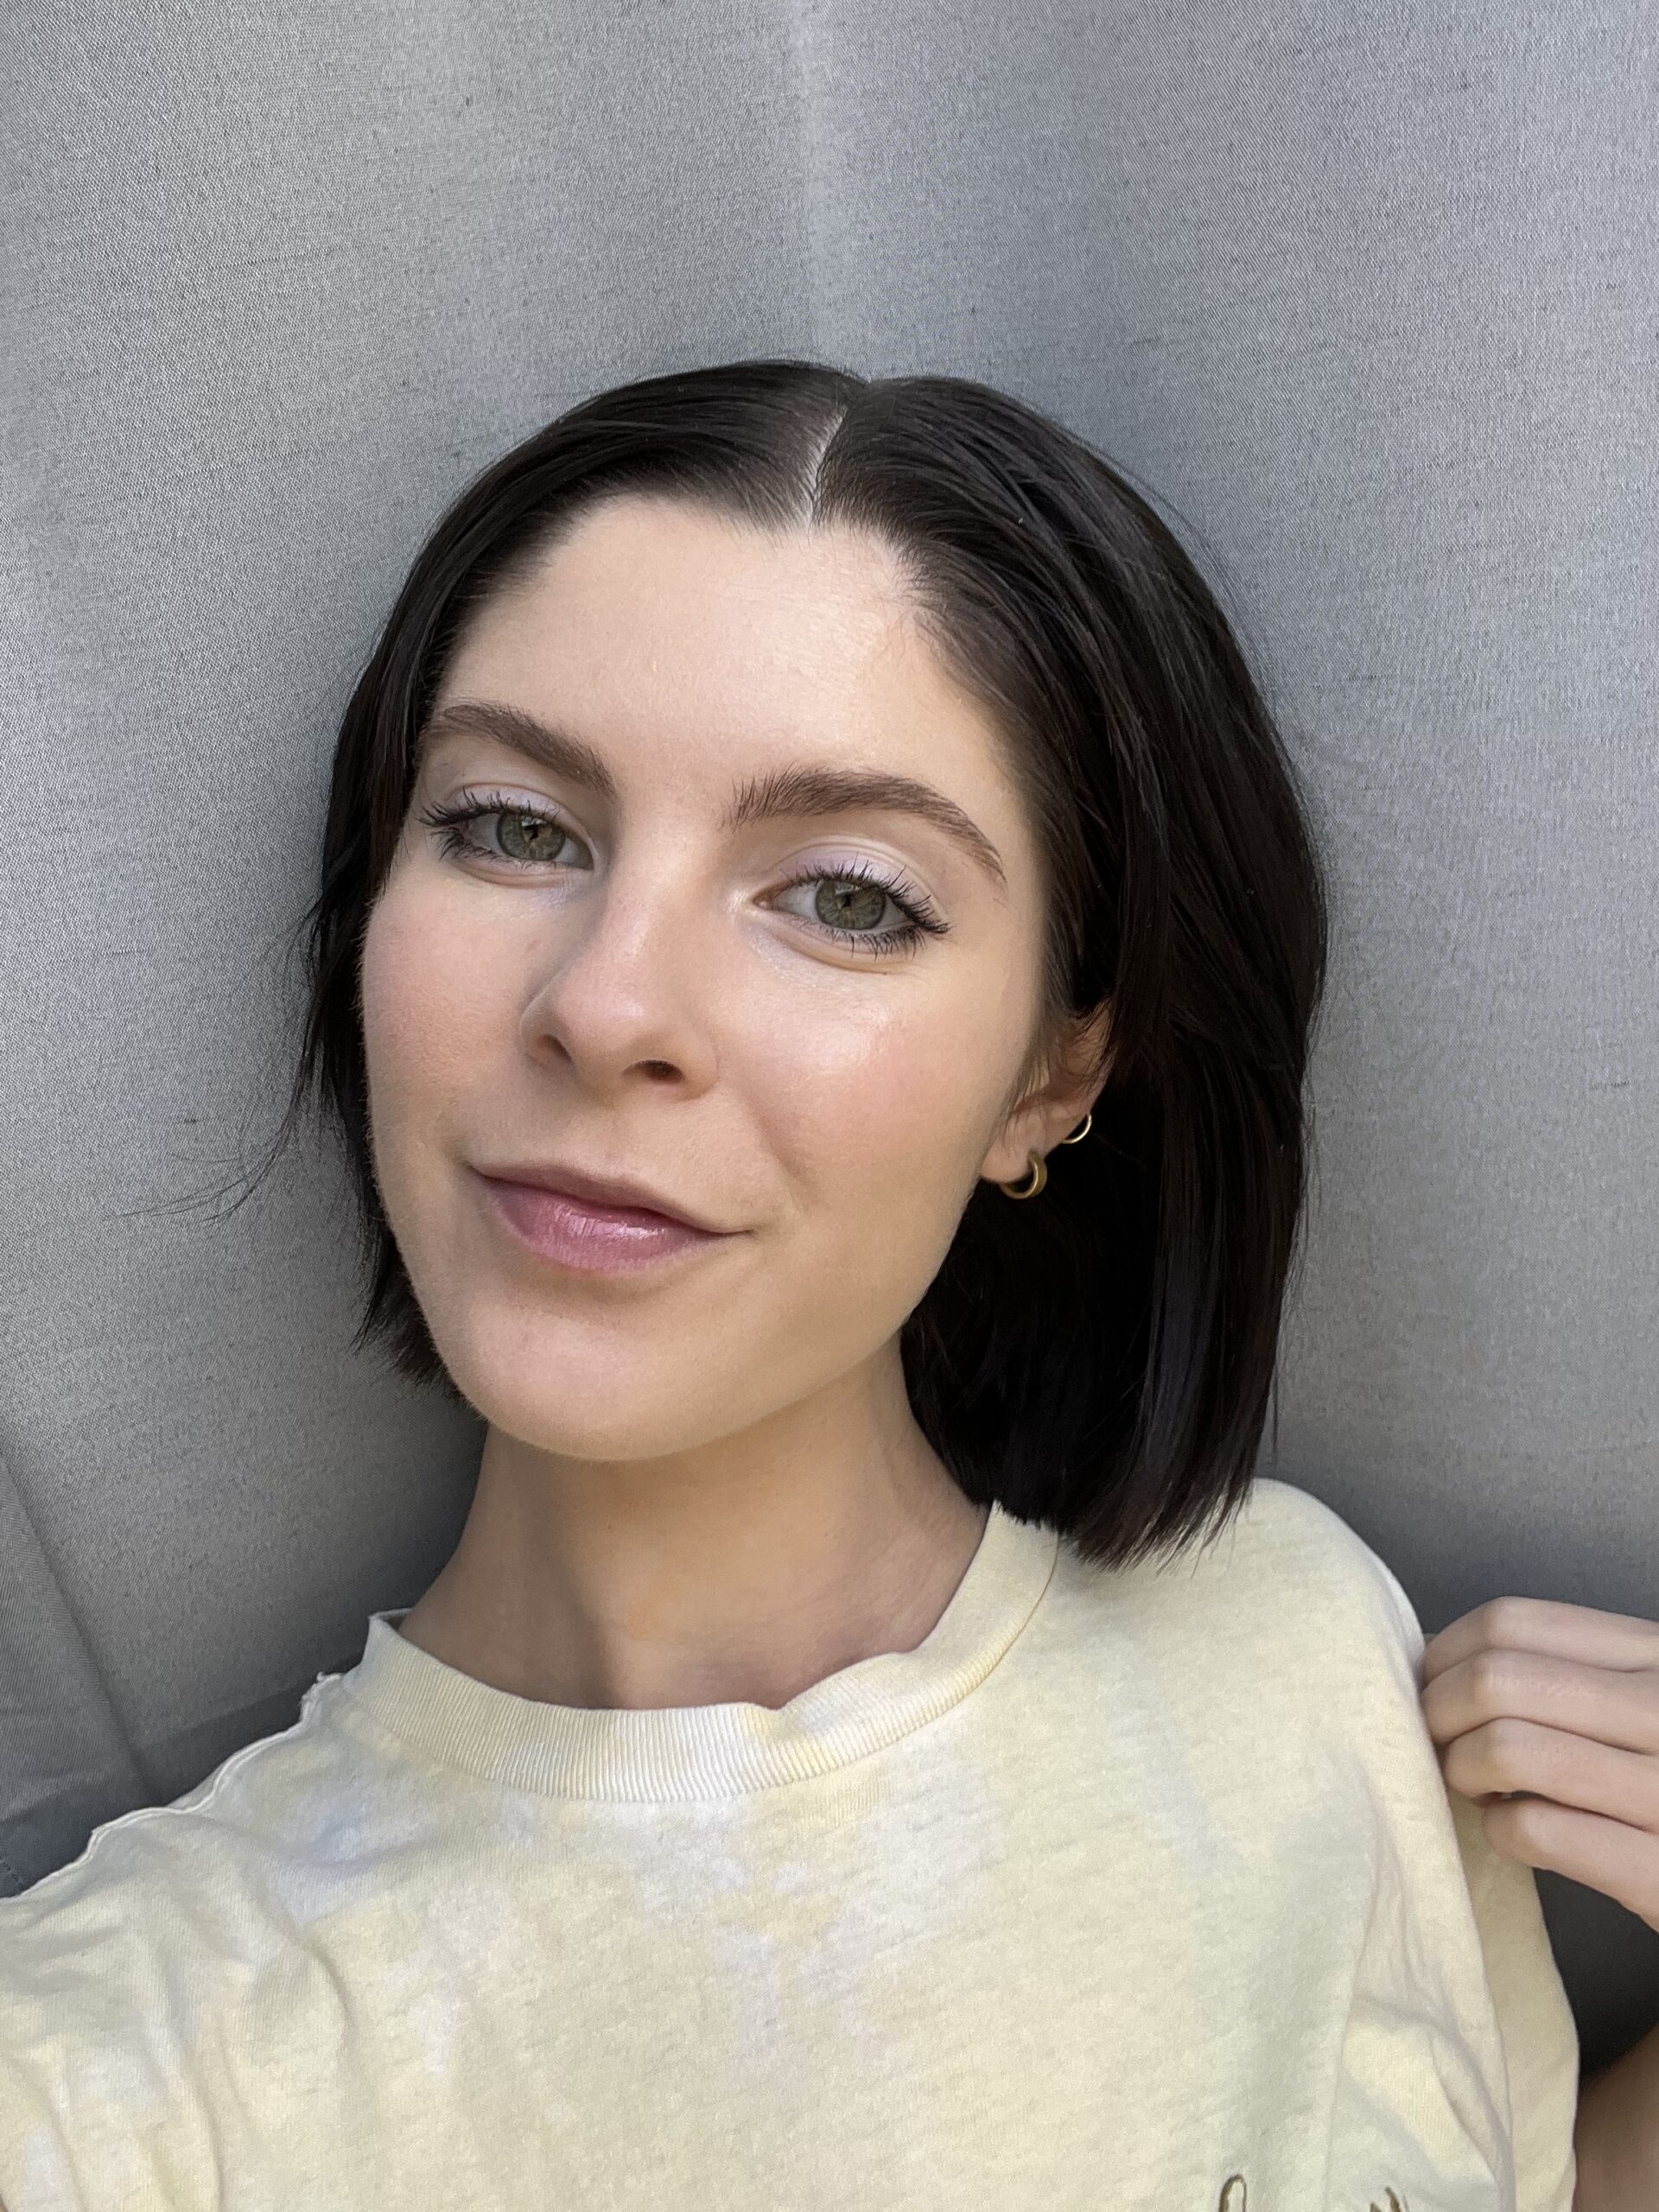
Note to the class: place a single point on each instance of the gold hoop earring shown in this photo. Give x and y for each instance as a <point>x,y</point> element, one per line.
<point>1039,1165</point>
<point>1039,1176</point>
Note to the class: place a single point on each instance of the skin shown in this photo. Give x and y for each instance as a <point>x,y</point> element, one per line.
<point>703,1484</point>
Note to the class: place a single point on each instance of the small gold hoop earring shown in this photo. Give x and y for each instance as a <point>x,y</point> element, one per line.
<point>1039,1176</point>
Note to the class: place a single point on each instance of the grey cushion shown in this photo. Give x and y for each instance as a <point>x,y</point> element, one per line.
<point>1366,299</point>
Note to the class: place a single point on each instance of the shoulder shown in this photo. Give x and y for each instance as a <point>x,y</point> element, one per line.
<point>1287,1528</point>
<point>183,1882</point>
<point>168,1941</point>
<point>1292,1587</point>
<point>1295,1517</point>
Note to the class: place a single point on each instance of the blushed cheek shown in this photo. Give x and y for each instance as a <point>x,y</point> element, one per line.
<point>891,1138</point>
<point>425,1021</point>
<point>927,1106</point>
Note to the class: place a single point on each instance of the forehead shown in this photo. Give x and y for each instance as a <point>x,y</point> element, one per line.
<point>684,558</point>
<point>656,613</point>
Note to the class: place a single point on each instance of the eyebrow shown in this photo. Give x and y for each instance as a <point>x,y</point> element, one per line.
<point>807,788</point>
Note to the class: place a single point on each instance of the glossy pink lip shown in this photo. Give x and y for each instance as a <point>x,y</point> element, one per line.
<point>594,1240</point>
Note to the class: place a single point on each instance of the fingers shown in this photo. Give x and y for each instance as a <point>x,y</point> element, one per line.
<point>1549,1627</point>
<point>1616,1707</point>
<point>1508,1754</point>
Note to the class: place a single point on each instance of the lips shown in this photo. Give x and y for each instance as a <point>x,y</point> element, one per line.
<point>591,1240</point>
<point>625,1199</point>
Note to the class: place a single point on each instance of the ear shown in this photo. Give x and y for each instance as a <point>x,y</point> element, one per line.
<point>1074,1075</point>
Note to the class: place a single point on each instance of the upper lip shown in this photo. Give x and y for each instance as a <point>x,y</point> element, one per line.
<point>599,1191</point>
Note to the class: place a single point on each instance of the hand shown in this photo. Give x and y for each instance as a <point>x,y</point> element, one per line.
<point>1559,1704</point>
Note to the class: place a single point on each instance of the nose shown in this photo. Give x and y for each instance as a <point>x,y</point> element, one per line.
<point>627,981</point>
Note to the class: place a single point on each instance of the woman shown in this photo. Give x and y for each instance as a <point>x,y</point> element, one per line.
<point>814,972</point>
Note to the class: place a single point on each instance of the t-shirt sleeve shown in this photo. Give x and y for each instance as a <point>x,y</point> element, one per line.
<point>1535,2022</point>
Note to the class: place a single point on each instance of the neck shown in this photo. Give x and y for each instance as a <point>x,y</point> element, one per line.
<point>742,1574</point>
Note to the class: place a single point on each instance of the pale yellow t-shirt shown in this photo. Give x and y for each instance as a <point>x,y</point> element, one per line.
<point>1121,1890</point>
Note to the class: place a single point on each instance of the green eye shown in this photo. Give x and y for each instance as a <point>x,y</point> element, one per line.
<point>855,893</point>
<point>517,819</point>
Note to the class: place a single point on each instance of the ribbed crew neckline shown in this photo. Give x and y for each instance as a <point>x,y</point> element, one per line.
<point>707,1751</point>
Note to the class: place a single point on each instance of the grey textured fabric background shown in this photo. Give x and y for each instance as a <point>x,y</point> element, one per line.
<point>1366,295</point>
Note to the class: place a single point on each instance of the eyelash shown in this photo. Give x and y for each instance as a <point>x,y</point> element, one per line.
<point>922,921</point>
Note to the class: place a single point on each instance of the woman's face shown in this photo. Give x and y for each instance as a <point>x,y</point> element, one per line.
<point>633,986</point>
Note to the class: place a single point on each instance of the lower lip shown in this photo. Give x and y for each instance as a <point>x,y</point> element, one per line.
<point>591,1239</point>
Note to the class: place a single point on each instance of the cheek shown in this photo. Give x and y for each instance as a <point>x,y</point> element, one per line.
<point>887,1124</point>
<point>876,1145</point>
<point>424,1012</point>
